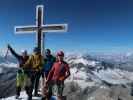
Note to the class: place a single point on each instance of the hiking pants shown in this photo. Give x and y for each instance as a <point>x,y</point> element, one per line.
<point>35,81</point>
<point>22,80</point>
<point>56,88</point>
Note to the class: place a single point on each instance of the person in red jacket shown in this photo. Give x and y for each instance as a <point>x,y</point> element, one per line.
<point>58,74</point>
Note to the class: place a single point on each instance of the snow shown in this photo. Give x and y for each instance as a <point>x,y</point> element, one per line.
<point>23,96</point>
<point>9,64</point>
<point>78,74</point>
<point>84,61</point>
<point>80,77</point>
<point>91,98</point>
<point>81,59</point>
<point>115,76</point>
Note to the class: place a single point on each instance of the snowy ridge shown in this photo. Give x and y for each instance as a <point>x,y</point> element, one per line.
<point>115,76</point>
<point>79,58</point>
<point>84,73</point>
<point>83,61</point>
<point>9,64</point>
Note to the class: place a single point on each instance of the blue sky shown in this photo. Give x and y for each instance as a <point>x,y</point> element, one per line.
<point>94,25</point>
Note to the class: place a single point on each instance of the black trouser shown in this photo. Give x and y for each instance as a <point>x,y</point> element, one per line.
<point>27,89</point>
<point>28,92</point>
<point>35,81</point>
<point>18,90</point>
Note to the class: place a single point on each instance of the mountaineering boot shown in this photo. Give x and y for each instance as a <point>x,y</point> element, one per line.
<point>28,92</point>
<point>17,96</point>
<point>119,98</point>
<point>18,89</point>
<point>29,98</point>
<point>131,92</point>
<point>43,98</point>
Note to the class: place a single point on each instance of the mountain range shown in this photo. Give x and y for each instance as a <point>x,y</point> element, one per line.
<point>92,77</point>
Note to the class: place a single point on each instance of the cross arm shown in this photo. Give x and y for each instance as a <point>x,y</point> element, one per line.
<point>25,29</point>
<point>55,28</point>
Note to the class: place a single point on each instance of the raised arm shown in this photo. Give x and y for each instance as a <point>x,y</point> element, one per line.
<point>13,52</point>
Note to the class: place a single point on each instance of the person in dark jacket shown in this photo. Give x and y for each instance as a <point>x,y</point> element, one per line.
<point>22,75</point>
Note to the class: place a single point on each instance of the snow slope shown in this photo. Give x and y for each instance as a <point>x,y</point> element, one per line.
<point>85,73</point>
<point>115,76</point>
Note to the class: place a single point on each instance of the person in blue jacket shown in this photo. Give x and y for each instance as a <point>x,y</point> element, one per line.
<point>49,60</point>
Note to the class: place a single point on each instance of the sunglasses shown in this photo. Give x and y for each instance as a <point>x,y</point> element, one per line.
<point>61,55</point>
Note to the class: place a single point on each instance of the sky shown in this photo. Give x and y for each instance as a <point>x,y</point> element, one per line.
<point>93,25</point>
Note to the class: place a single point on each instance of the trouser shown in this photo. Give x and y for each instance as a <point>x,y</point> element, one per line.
<point>27,89</point>
<point>44,77</point>
<point>22,80</point>
<point>56,88</point>
<point>18,90</point>
<point>46,74</point>
<point>35,81</point>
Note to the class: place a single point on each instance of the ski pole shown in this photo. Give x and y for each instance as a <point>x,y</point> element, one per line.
<point>6,54</point>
